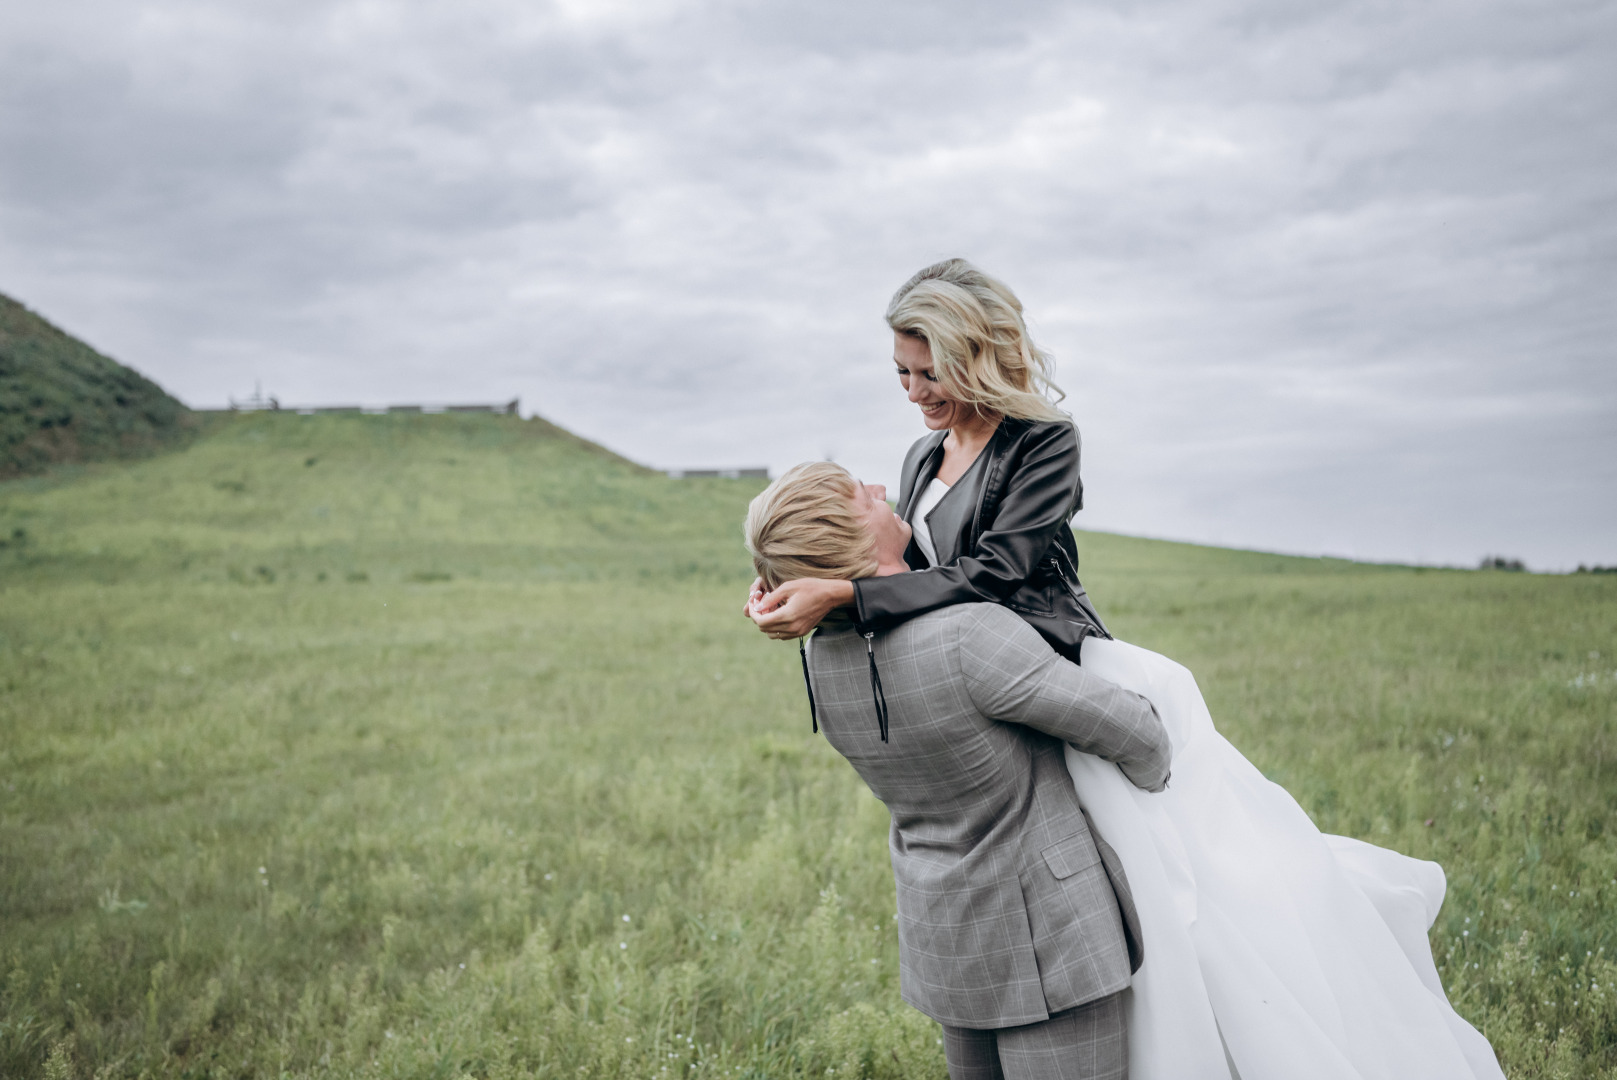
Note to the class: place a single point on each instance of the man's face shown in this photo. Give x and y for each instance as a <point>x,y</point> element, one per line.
<point>892,533</point>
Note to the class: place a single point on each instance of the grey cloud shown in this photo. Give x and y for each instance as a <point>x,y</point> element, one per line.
<point>1319,278</point>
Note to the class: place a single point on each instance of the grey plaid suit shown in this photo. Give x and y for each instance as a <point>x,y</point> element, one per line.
<point>1006,914</point>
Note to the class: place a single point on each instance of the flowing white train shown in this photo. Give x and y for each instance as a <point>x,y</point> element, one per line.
<point>1272,951</point>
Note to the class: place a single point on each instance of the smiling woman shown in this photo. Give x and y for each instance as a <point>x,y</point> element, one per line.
<point>963,331</point>
<point>989,492</point>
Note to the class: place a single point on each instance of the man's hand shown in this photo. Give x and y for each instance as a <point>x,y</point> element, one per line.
<point>797,607</point>
<point>1152,775</point>
<point>1149,784</point>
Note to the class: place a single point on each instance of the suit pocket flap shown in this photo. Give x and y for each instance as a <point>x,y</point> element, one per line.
<point>1066,857</point>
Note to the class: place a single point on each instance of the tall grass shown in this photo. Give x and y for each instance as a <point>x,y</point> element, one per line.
<point>434,746</point>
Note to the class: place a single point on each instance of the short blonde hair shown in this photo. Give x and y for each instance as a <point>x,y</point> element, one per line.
<point>981,351</point>
<point>805,525</point>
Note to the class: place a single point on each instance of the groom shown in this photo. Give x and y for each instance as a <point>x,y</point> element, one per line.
<point>1016,928</point>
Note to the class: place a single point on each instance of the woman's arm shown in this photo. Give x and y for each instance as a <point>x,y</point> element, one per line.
<point>800,605</point>
<point>1038,502</point>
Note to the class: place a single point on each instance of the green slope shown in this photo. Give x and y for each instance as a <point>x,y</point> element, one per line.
<point>61,401</point>
<point>395,746</point>
<point>277,497</point>
<point>281,497</point>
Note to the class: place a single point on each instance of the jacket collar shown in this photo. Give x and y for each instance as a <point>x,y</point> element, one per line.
<point>922,461</point>
<point>1008,431</point>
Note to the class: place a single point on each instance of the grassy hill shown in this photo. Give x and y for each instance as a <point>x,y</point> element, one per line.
<point>435,746</point>
<point>277,497</point>
<point>61,401</point>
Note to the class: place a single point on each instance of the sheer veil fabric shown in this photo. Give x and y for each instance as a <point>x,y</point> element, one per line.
<point>1272,950</point>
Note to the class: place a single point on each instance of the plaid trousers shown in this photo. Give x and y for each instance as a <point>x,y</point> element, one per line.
<point>1086,1043</point>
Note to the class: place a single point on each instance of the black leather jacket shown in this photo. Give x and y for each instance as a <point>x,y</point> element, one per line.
<point>1015,548</point>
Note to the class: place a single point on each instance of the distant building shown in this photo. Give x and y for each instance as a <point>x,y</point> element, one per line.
<point>759,473</point>
<point>258,401</point>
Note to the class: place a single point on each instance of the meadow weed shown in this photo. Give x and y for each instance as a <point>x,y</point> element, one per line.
<point>399,746</point>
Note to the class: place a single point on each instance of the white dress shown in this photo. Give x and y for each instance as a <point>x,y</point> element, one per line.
<point>922,532</point>
<point>1307,953</point>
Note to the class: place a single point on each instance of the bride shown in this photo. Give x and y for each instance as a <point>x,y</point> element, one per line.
<point>1273,951</point>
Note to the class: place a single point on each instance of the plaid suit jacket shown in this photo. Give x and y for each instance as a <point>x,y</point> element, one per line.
<point>1005,911</point>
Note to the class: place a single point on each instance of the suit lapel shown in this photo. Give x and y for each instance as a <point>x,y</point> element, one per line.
<point>919,462</point>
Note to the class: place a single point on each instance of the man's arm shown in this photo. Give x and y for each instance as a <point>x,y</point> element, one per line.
<point>1013,675</point>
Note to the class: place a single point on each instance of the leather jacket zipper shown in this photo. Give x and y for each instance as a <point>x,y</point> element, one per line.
<point>1064,566</point>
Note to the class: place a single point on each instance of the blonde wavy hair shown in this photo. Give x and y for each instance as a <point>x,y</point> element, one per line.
<point>805,525</point>
<point>981,351</point>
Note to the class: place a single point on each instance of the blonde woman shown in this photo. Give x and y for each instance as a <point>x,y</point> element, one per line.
<point>989,492</point>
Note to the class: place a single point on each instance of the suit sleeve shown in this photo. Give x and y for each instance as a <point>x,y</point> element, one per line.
<point>1039,500</point>
<point>1013,676</point>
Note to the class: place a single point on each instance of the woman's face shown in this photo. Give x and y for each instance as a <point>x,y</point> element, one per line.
<point>914,360</point>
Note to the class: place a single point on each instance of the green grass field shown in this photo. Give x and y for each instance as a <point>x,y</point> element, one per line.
<point>435,746</point>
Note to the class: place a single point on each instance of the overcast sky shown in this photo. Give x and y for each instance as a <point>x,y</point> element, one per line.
<point>1325,278</point>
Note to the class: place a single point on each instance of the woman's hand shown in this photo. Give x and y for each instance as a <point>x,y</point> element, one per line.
<point>755,593</point>
<point>797,607</point>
